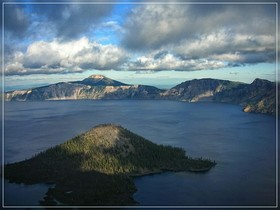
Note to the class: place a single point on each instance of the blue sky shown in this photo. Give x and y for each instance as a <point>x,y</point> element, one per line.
<point>155,44</point>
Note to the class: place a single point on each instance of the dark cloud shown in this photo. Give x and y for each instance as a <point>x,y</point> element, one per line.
<point>72,20</point>
<point>65,21</point>
<point>160,54</point>
<point>234,65</point>
<point>16,21</point>
<point>258,57</point>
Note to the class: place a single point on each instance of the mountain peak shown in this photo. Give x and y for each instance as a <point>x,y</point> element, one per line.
<point>97,76</point>
<point>261,83</point>
<point>110,136</point>
<point>101,80</point>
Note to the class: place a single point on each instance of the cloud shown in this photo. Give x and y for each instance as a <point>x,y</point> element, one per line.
<point>66,38</point>
<point>228,33</point>
<point>16,21</point>
<point>151,26</point>
<point>81,55</point>
<point>229,47</point>
<point>65,57</point>
<point>154,26</point>
<point>71,21</point>
<point>65,21</point>
<point>160,61</point>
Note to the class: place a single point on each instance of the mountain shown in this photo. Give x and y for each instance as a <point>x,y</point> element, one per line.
<point>100,80</point>
<point>93,87</point>
<point>198,89</point>
<point>259,96</point>
<point>94,168</point>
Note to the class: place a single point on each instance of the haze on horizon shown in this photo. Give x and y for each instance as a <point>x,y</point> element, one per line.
<point>148,43</point>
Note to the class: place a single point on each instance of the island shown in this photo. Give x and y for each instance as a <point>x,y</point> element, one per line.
<point>97,167</point>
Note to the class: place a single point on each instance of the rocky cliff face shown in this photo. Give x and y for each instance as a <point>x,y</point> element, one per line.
<point>198,89</point>
<point>93,87</point>
<point>260,96</point>
<point>57,91</point>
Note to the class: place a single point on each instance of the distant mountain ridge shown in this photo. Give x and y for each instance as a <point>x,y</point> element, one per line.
<point>93,87</point>
<point>198,89</point>
<point>259,96</point>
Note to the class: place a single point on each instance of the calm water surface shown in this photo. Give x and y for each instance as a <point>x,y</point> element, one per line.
<point>242,144</point>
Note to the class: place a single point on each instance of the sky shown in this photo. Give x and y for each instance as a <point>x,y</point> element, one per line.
<point>154,43</point>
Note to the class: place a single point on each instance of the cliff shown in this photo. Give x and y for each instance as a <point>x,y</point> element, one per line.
<point>258,97</point>
<point>198,89</point>
<point>93,87</point>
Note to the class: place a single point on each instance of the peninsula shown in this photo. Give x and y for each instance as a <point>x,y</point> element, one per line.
<point>96,167</point>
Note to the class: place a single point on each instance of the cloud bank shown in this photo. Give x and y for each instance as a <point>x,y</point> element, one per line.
<point>69,38</point>
<point>65,57</point>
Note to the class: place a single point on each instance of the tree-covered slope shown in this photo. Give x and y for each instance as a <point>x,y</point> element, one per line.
<point>107,154</point>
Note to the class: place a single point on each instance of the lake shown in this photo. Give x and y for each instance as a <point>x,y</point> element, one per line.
<point>242,144</point>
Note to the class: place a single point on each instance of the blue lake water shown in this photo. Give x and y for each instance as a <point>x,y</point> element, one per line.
<point>242,144</point>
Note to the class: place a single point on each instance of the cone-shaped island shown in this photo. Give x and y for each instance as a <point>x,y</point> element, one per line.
<point>95,168</point>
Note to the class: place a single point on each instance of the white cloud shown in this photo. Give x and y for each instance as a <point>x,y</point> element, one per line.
<point>227,47</point>
<point>72,56</point>
<point>168,61</point>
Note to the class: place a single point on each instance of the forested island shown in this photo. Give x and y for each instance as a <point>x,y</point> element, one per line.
<point>97,167</point>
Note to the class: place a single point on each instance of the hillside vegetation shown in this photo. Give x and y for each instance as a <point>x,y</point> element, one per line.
<point>95,168</point>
